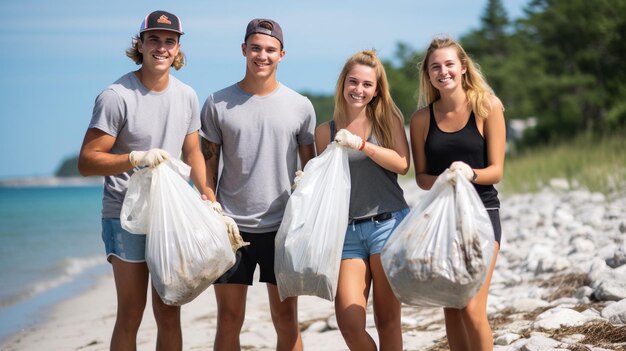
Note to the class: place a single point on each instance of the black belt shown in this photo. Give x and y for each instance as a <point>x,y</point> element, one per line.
<point>377,218</point>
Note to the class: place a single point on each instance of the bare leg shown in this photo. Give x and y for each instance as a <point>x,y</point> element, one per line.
<point>231,311</point>
<point>387,310</point>
<point>169,333</point>
<point>468,328</point>
<point>351,303</point>
<point>131,285</point>
<point>285,319</point>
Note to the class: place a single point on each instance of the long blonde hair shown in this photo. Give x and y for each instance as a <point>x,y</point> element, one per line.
<point>133,53</point>
<point>473,82</point>
<point>381,110</point>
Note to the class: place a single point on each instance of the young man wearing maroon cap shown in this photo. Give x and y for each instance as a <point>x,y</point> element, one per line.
<point>260,127</point>
<point>139,121</point>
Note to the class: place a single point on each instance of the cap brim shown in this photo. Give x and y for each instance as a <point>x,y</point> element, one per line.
<point>165,29</point>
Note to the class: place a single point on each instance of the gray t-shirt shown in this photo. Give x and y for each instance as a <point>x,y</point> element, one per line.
<point>259,136</point>
<point>374,189</point>
<point>140,120</point>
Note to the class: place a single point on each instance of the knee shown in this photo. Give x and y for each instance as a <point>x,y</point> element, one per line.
<point>130,318</point>
<point>230,319</point>
<point>286,321</point>
<point>167,316</point>
<point>350,330</point>
<point>474,315</point>
<point>388,324</point>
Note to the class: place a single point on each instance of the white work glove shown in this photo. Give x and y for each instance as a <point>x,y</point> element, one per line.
<point>150,158</point>
<point>463,168</point>
<point>297,179</point>
<point>236,241</point>
<point>347,139</point>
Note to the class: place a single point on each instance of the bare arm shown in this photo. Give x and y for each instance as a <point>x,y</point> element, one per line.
<point>395,159</point>
<point>211,153</point>
<point>322,137</point>
<point>495,133</point>
<point>419,128</point>
<point>95,157</point>
<point>306,153</point>
<point>193,157</point>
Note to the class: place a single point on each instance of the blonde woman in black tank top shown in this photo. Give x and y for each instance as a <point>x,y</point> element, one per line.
<point>460,125</point>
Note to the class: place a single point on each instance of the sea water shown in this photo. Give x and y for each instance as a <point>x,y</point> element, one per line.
<point>51,249</point>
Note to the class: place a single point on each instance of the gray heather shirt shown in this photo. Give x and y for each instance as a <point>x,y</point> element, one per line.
<point>259,136</point>
<point>374,190</point>
<point>140,120</point>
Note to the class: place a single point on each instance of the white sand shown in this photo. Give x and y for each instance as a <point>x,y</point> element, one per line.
<point>85,323</point>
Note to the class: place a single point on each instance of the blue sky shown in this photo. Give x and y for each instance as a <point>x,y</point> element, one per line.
<point>58,55</point>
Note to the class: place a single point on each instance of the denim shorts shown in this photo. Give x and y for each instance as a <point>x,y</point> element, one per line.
<point>368,238</point>
<point>122,244</point>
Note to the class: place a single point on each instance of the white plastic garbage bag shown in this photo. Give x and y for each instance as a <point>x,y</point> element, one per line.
<point>187,246</point>
<point>439,255</point>
<point>309,241</point>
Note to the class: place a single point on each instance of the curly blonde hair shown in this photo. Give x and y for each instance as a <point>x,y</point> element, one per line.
<point>382,109</point>
<point>473,82</point>
<point>133,53</point>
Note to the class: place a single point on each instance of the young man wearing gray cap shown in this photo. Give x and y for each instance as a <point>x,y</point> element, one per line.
<point>138,121</point>
<point>260,127</point>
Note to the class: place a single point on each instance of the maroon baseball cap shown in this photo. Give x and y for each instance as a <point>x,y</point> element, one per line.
<point>161,20</point>
<point>264,26</point>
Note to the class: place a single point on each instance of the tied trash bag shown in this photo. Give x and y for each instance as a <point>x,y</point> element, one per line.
<point>187,246</point>
<point>439,255</point>
<point>309,241</point>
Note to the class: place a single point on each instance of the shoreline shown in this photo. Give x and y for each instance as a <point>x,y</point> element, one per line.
<point>50,181</point>
<point>534,291</point>
<point>85,322</point>
<point>35,310</point>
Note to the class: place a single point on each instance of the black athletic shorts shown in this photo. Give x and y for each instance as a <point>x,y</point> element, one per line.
<point>261,252</point>
<point>494,216</point>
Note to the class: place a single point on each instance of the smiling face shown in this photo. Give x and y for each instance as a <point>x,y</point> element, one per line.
<point>262,52</point>
<point>445,69</point>
<point>359,87</point>
<point>159,49</point>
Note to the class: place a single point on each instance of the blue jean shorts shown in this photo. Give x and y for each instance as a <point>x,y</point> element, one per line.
<point>118,242</point>
<point>368,237</point>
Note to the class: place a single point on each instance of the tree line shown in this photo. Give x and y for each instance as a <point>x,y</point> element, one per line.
<point>563,63</point>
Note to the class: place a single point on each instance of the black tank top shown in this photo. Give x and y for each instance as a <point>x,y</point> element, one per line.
<point>467,145</point>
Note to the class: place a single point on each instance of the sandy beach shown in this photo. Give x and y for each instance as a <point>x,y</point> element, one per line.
<point>85,323</point>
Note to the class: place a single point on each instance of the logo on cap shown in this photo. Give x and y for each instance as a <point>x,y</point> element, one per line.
<point>164,19</point>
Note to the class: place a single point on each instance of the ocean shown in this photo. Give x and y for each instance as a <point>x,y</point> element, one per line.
<point>51,249</point>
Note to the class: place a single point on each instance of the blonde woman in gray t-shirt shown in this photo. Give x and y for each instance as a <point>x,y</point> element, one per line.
<point>367,121</point>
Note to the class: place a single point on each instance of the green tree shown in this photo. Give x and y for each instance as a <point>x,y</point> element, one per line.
<point>403,76</point>
<point>581,78</point>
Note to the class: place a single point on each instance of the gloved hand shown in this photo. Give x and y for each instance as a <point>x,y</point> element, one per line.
<point>463,168</point>
<point>347,139</point>
<point>236,241</point>
<point>150,158</point>
<point>297,179</point>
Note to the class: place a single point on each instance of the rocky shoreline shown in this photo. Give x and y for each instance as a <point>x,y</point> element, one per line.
<point>560,279</point>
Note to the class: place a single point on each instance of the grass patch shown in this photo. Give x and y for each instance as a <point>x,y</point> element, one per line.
<point>565,285</point>
<point>597,163</point>
<point>600,333</point>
